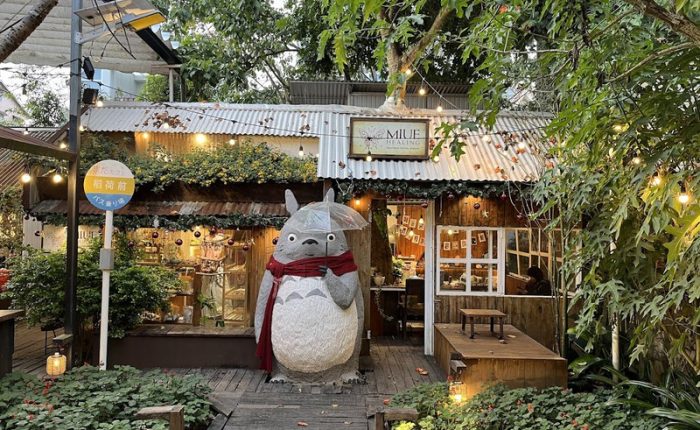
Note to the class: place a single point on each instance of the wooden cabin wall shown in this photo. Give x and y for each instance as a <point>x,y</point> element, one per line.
<point>535,316</point>
<point>360,242</point>
<point>260,254</point>
<point>404,244</point>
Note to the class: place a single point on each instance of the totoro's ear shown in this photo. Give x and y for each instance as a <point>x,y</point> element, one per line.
<point>290,202</point>
<point>330,195</point>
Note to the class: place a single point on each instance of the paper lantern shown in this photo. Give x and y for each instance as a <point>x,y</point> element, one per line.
<point>56,364</point>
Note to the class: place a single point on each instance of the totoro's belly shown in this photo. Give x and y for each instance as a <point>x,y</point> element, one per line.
<point>310,333</point>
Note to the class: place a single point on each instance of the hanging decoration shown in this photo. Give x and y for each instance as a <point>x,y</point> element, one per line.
<point>399,190</point>
<point>175,223</point>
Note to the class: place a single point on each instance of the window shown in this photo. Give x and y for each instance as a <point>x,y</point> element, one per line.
<point>469,260</point>
<point>517,251</point>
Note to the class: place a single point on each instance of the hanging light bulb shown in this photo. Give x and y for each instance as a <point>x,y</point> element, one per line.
<point>368,158</point>
<point>232,141</point>
<point>411,233</point>
<point>636,160</point>
<point>656,179</point>
<point>522,145</point>
<point>26,131</point>
<point>301,151</point>
<point>408,72</point>
<point>420,221</point>
<point>166,125</point>
<point>100,103</point>
<point>422,91</point>
<point>57,178</point>
<point>63,145</point>
<point>81,128</point>
<point>436,158</point>
<point>683,197</point>
<point>357,201</point>
<point>439,108</point>
<point>25,178</point>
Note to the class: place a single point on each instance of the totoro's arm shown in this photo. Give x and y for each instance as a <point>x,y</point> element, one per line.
<point>263,294</point>
<point>342,288</point>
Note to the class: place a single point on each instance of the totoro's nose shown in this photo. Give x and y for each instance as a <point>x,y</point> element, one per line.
<point>310,242</point>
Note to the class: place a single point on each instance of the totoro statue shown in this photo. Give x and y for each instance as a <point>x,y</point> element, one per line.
<point>310,312</point>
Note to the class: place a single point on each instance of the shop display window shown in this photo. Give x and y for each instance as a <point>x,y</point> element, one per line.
<point>469,260</point>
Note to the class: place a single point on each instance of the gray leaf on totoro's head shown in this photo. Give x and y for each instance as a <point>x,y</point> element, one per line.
<point>290,202</point>
<point>330,195</point>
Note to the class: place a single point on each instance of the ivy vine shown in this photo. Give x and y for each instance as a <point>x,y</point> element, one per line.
<point>425,190</point>
<point>177,222</point>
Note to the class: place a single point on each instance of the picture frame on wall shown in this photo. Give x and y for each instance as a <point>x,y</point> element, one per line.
<point>412,223</point>
<point>474,242</point>
<point>446,246</point>
<point>406,219</point>
<point>463,243</point>
<point>421,226</point>
<point>403,230</point>
<point>455,244</point>
<point>416,239</point>
<point>482,237</point>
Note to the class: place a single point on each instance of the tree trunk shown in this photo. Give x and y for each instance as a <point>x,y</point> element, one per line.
<point>677,22</point>
<point>20,30</point>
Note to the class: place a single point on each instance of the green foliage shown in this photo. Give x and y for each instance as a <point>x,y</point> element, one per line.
<point>87,398</point>
<point>38,282</point>
<point>243,162</point>
<point>45,108</point>
<point>523,408</point>
<point>421,189</point>
<point>11,213</point>
<point>156,90</point>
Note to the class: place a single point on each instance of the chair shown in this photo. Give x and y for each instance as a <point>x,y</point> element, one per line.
<point>412,305</point>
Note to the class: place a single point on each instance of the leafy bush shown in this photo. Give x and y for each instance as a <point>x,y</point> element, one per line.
<point>86,398</point>
<point>38,282</point>
<point>524,408</point>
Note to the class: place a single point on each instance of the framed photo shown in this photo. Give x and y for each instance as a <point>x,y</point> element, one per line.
<point>463,243</point>
<point>403,230</point>
<point>412,223</point>
<point>455,245</point>
<point>406,219</point>
<point>482,237</point>
<point>421,226</point>
<point>416,239</point>
<point>474,242</point>
<point>445,246</point>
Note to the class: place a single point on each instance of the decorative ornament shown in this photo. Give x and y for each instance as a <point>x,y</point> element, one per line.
<point>275,240</point>
<point>197,233</point>
<point>424,205</point>
<point>504,197</point>
<point>178,242</point>
<point>485,214</point>
<point>450,196</point>
<point>477,166</point>
<point>37,233</point>
<point>246,247</point>
<point>212,231</point>
<point>155,235</point>
<point>230,242</point>
<point>477,205</point>
<point>131,244</point>
<point>26,217</point>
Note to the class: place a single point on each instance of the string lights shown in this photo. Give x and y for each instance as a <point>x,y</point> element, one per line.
<point>301,151</point>
<point>683,196</point>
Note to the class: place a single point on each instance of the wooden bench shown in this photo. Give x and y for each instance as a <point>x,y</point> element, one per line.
<point>482,313</point>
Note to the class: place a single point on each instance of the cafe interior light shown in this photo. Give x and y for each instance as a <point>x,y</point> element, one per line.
<point>56,364</point>
<point>57,178</point>
<point>357,201</point>
<point>420,221</point>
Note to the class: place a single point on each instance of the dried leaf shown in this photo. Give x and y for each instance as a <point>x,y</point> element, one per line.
<point>302,424</point>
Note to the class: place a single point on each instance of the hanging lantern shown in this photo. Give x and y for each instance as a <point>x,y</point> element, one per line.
<point>275,240</point>
<point>56,364</point>
<point>178,242</point>
<point>197,233</point>
<point>230,242</point>
<point>477,205</point>
<point>456,392</point>
<point>155,235</point>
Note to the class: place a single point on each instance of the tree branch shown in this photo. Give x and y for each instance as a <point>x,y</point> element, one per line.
<point>22,29</point>
<point>653,57</point>
<point>412,53</point>
<point>675,21</point>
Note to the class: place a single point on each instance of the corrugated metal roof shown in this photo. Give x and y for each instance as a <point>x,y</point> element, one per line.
<point>483,160</point>
<point>11,162</point>
<point>169,208</point>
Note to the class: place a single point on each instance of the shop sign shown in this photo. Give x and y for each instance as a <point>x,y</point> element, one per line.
<point>109,185</point>
<point>389,138</point>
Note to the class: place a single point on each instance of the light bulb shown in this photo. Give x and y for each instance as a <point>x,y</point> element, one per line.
<point>522,145</point>
<point>368,158</point>
<point>166,125</point>
<point>450,232</point>
<point>411,233</point>
<point>26,131</point>
<point>81,128</point>
<point>57,178</point>
<point>200,138</point>
<point>656,179</point>
<point>408,72</point>
<point>439,108</point>
<point>457,398</point>
<point>420,221</point>
<point>636,160</point>
<point>421,91</point>
<point>683,197</point>
<point>25,178</point>
<point>100,103</point>
<point>145,135</point>
<point>357,201</point>
<point>301,151</point>
<point>232,142</point>
<point>63,145</point>
<point>436,158</point>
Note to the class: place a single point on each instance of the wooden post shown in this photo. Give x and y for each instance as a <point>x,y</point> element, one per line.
<point>385,416</point>
<point>7,339</point>
<point>175,415</point>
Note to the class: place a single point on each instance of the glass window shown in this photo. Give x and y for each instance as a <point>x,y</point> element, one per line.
<point>468,260</point>
<point>453,277</point>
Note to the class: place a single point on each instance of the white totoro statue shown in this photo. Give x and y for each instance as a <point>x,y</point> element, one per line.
<point>309,315</point>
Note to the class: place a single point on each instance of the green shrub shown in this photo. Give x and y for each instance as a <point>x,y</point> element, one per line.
<point>38,283</point>
<point>87,398</point>
<point>499,408</point>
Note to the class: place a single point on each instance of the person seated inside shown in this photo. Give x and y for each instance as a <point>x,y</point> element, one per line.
<point>537,284</point>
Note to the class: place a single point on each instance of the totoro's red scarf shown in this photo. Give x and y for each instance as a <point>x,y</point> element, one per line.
<point>339,264</point>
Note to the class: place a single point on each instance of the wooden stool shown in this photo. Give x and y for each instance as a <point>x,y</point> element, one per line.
<point>483,313</point>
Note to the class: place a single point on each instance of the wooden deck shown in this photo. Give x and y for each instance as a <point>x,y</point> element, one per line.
<point>244,400</point>
<point>517,361</point>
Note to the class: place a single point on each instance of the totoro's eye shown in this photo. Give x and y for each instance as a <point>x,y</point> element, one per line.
<point>292,237</point>
<point>330,237</point>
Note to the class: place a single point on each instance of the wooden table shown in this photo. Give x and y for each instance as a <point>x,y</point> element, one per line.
<point>7,339</point>
<point>482,313</point>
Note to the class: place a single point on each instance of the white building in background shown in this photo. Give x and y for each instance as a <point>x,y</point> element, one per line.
<point>11,111</point>
<point>117,86</point>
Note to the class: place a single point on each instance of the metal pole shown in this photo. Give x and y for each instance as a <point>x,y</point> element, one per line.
<point>70,318</point>
<point>104,310</point>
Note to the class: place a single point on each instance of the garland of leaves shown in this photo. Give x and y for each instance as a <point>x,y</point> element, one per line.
<point>175,223</point>
<point>424,190</point>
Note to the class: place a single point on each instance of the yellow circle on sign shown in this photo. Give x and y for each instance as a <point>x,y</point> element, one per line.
<point>109,185</point>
